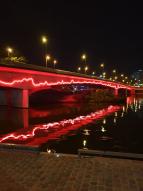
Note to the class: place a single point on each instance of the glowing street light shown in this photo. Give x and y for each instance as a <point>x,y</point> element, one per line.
<point>102,65</point>
<point>47,58</point>
<point>116,77</point>
<point>9,50</point>
<point>114,71</point>
<point>55,62</point>
<point>110,78</point>
<point>104,73</point>
<point>126,77</point>
<point>93,73</point>
<point>84,58</point>
<point>86,68</point>
<point>123,80</point>
<point>44,39</point>
<point>79,69</point>
<point>122,75</point>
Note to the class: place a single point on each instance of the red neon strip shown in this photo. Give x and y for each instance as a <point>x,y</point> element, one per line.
<point>99,82</point>
<point>77,120</point>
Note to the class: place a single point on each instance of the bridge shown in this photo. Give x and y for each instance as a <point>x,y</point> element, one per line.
<point>24,79</point>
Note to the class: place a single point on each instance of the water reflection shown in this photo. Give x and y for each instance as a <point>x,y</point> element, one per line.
<point>64,128</point>
<point>55,129</point>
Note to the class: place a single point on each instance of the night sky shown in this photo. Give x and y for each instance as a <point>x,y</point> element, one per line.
<point>108,31</point>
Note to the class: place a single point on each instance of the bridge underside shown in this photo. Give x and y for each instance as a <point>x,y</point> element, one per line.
<point>60,93</point>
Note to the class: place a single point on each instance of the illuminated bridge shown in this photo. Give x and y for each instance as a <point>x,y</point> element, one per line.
<point>24,79</point>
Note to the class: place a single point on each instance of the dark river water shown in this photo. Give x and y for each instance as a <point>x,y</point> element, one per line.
<point>69,127</point>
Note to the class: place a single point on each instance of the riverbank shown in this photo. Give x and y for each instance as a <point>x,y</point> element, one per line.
<point>99,96</point>
<point>24,171</point>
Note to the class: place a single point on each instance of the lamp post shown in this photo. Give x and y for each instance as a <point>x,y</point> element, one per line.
<point>84,58</point>
<point>104,73</point>
<point>114,71</point>
<point>79,69</point>
<point>102,65</point>
<point>86,69</point>
<point>9,50</point>
<point>122,75</point>
<point>44,39</point>
<point>47,58</point>
<point>55,62</point>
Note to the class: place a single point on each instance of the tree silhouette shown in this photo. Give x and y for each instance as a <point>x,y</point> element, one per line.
<point>15,55</point>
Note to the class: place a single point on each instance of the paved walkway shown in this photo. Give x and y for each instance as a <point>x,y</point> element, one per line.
<point>26,171</point>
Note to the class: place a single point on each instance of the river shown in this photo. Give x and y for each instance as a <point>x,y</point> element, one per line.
<point>69,127</point>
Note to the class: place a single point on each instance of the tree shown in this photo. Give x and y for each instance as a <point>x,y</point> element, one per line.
<point>16,55</point>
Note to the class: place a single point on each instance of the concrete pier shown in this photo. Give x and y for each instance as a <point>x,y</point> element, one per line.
<point>20,98</point>
<point>113,91</point>
<point>3,97</point>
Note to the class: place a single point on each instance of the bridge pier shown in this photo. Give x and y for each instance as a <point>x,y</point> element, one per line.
<point>20,98</point>
<point>113,91</point>
<point>132,91</point>
<point>3,97</point>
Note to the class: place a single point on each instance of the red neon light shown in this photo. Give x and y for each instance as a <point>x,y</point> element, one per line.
<point>99,82</point>
<point>77,121</point>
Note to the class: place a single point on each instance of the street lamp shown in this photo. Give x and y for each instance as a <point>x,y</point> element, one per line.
<point>44,39</point>
<point>84,58</point>
<point>122,75</point>
<point>93,73</point>
<point>55,63</point>
<point>114,71</point>
<point>116,77</point>
<point>9,50</point>
<point>47,58</point>
<point>126,77</point>
<point>102,65</point>
<point>86,69</point>
<point>79,69</point>
<point>123,80</point>
<point>104,73</point>
<point>110,78</point>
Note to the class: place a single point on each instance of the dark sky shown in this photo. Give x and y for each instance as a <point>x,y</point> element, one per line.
<point>108,31</point>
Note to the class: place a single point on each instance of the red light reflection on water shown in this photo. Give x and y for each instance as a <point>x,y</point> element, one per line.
<point>56,129</point>
<point>39,113</point>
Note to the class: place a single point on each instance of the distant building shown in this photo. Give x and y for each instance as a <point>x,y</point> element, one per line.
<point>138,76</point>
